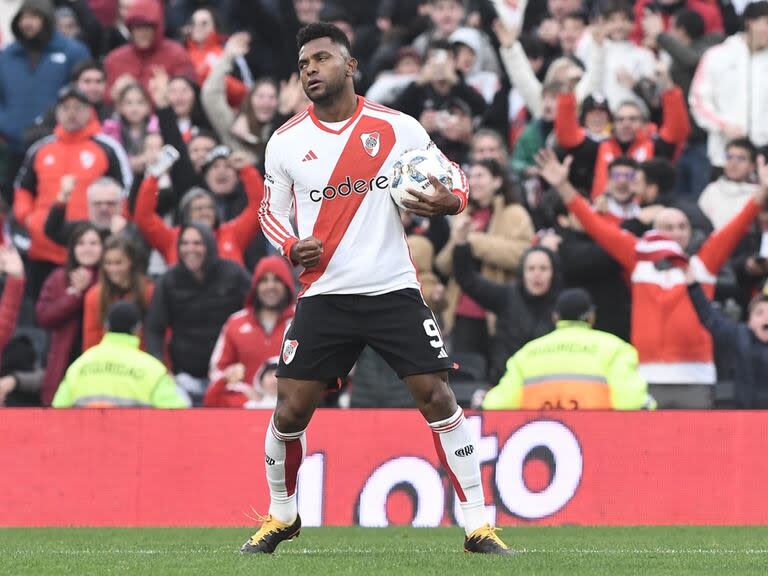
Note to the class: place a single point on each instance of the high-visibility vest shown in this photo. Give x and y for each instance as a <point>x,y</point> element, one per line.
<point>572,368</point>
<point>115,373</point>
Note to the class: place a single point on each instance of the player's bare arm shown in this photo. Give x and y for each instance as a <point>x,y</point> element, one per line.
<point>442,202</point>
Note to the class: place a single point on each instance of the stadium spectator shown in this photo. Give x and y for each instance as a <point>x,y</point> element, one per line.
<point>184,99</point>
<point>488,145</point>
<point>537,132</point>
<point>115,373</point>
<point>194,299</point>
<point>654,189</point>
<point>148,48</point>
<point>726,196</point>
<point>88,77</point>
<point>685,42</point>
<point>524,77</point>
<point>117,32</point>
<point>106,208</point>
<point>32,70</point>
<point>204,46</point>
<point>619,198</point>
<point>76,20</point>
<point>574,368</point>
<point>632,136</point>
<point>251,336</point>
<point>250,127</point>
<point>746,343</point>
<point>447,17</point>
<point>467,46</point>
<point>199,205</point>
<point>390,84</point>
<point>76,150</point>
<point>727,94</point>
<point>675,351</point>
<point>586,265</point>
<point>670,9</point>
<point>12,268</point>
<point>120,279</point>
<point>750,263</point>
<point>626,63</point>
<point>131,121</point>
<point>438,85</point>
<point>522,307</point>
<point>60,306</point>
<point>501,231</point>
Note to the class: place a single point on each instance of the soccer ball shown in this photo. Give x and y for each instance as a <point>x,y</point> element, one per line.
<point>411,170</point>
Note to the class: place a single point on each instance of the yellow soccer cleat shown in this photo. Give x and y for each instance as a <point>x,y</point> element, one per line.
<point>484,540</point>
<point>270,534</point>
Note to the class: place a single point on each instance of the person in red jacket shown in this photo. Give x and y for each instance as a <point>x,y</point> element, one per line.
<point>76,151</point>
<point>60,306</point>
<point>707,9</point>
<point>252,335</point>
<point>198,205</point>
<point>632,135</point>
<point>674,348</point>
<point>10,304</point>
<point>148,48</point>
<point>205,47</point>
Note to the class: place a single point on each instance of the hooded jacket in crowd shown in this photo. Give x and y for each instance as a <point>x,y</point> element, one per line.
<point>163,53</point>
<point>244,340</point>
<point>521,316</point>
<point>194,310</point>
<point>32,71</point>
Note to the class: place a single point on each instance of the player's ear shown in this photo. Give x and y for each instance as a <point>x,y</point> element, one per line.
<point>351,67</point>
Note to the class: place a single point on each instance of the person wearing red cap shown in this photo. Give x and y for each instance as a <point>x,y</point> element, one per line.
<point>675,349</point>
<point>252,335</point>
<point>148,48</point>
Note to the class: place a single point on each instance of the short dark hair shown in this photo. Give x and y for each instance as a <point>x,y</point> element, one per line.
<point>322,30</point>
<point>691,23</point>
<point>82,67</point>
<point>661,173</point>
<point>626,161</point>
<point>755,10</point>
<point>580,15</point>
<point>618,7</point>
<point>757,299</point>
<point>745,144</point>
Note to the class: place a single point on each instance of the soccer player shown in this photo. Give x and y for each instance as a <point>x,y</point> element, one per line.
<point>330,163</point>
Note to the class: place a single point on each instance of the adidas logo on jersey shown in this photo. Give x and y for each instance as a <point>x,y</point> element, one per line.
<point>309,156</point>
<point>443,353</point>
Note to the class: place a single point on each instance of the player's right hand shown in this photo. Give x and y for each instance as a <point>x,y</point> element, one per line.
<point>307,252</point>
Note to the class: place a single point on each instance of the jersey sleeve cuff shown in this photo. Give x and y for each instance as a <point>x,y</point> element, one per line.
<point>462,196</point>
<point>287,246</point>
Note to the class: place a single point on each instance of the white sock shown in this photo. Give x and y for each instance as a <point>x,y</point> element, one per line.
<point>457,453</point>
<point>284,455</point>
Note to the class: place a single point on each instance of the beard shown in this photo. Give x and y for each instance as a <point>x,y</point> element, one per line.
<point>331,93</point>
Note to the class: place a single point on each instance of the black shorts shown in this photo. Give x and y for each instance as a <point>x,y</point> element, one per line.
<point>330,330</point>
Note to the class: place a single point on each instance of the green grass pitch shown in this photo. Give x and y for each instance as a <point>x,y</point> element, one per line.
<point>569,551</point>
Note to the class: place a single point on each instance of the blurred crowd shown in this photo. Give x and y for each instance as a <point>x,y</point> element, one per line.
<point>610,146</point>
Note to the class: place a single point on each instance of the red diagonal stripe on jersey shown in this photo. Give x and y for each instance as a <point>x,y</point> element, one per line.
<point>335,215</point>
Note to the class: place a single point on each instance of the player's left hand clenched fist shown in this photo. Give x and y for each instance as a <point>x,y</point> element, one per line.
<point>443,201</point>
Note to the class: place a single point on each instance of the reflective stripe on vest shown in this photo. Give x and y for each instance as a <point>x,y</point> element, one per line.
<point>105,401</point>
<point>566,392</point>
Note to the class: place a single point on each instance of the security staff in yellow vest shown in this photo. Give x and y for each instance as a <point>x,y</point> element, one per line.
<point>116,372</point>
<point>574,367</point>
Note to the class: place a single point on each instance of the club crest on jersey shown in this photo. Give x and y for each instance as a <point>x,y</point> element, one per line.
<point>371,143</point>
<point>289,350</point>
